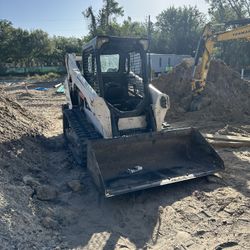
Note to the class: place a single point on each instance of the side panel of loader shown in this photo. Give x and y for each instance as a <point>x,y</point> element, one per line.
<point>127,164</point>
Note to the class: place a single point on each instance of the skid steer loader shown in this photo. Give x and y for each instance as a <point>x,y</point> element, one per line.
<point>113,122</point>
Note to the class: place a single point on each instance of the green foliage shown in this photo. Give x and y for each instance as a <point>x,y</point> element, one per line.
<point>105,22</point>
<point>133,29</point>
<point>44,77</point>
<point>226,10</point>
<point>234,53</point>
<point>178,30</point>
<point>6,31</point>
<point>19,47</point>
<point>61,46</point>
<point>174,27</point>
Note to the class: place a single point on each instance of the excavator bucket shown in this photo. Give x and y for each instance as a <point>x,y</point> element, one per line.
<point>131,163</point>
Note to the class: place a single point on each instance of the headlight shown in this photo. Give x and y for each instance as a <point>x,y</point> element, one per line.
<point>163,102</point>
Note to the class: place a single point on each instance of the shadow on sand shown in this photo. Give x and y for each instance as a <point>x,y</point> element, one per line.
<point>87,219</point>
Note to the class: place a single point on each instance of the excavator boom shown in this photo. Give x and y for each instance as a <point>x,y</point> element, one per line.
<point>238,30</point>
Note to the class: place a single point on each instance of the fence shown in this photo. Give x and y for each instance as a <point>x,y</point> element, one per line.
<point>32,70</point>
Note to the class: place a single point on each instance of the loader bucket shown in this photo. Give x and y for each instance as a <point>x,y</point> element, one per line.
<point>127,164</point>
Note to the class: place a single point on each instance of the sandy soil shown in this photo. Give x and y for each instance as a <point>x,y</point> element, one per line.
<point>225,97</point>
<point>206,213</point>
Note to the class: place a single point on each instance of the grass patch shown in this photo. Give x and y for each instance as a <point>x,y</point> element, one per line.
<point>45,77</point>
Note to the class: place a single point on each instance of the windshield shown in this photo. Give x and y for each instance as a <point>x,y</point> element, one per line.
<point>110,63</point>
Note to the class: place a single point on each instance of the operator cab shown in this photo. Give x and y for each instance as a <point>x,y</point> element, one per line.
<point>117,69</point>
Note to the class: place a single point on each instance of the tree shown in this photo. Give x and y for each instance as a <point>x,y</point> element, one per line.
<point>88,13</point>
<point>6,33</point>
<point>62,45</point>
<point>234,53</point>
<point>178,30</point>
<point>21,47</point>
<point>105,21</point>
<point>225,10</point>
<point>111,7</point>
<point>41,47</point>
<point>133,29</point>
<point>20,44</point>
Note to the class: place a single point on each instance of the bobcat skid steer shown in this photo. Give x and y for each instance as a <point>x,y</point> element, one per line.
<point>113,122</point>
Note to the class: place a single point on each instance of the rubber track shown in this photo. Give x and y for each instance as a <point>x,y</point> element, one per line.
<point>84,131</point>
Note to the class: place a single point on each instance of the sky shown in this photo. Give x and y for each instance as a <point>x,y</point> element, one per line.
<point>64,17</point>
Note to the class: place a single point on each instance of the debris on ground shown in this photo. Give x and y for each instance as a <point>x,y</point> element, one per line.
<point>41,89</point>
<point>57,85</point>
<point>60,90</point>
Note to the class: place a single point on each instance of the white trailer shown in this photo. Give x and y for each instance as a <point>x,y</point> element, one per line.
<point>161,62</point>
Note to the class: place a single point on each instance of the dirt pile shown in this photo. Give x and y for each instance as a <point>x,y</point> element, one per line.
<point>16,121</point>
<point>226,96</point>
<point>21,156</point>
<point>205,213</point>
<point>20,134</point>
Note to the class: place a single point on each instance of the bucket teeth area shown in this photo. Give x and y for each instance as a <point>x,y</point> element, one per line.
<point>127,164</point>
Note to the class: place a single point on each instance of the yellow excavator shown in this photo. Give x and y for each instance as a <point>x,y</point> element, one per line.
<point>237,29</point>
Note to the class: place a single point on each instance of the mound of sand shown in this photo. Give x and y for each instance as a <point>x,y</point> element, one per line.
<point>22,163</point>
<point>199,214</point>
<point>20,133</point>
<point>226,95</point>
<point>16,121</point>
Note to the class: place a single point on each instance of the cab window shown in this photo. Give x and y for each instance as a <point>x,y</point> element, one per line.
<point>110,63</point>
